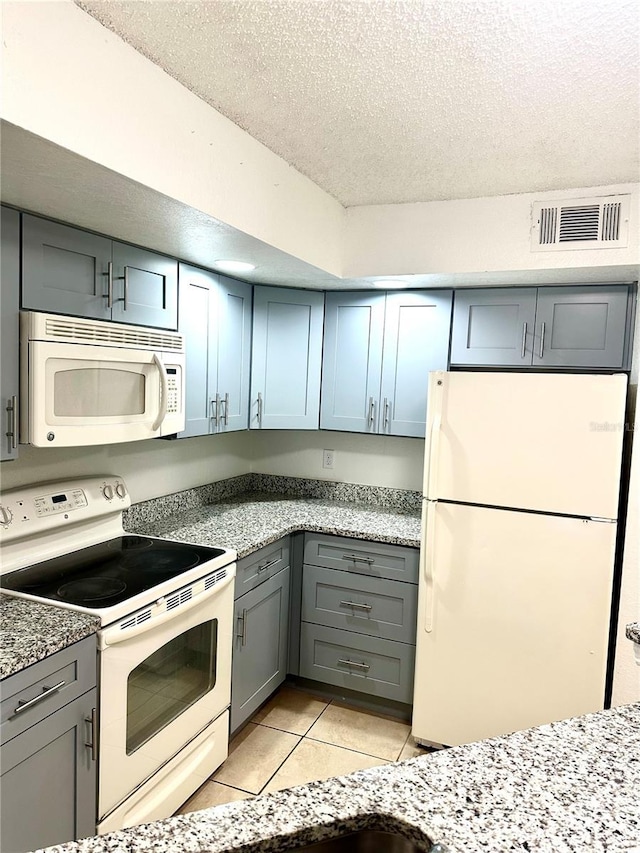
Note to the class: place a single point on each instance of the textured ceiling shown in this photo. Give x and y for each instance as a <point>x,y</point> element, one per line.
<point>385,102</point>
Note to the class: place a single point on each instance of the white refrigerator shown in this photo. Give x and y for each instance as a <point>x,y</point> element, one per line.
<point>521,483</point>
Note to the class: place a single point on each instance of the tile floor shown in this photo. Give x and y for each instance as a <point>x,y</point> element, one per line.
<point>297,738</point>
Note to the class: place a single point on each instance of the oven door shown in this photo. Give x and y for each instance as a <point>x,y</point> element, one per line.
<point>81,395</point>
<point>161,682</point>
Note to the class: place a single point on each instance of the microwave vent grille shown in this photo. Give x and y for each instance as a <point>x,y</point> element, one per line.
<point>111,334</point>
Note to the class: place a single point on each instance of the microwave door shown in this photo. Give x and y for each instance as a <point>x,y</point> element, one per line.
<point>83,395</point>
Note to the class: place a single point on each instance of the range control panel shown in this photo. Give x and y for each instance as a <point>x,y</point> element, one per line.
<point>32,510</point>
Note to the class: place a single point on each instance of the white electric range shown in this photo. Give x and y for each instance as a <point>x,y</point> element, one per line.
<point>166,612</point>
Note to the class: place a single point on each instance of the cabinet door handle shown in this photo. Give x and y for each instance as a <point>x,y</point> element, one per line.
<point>385,419</point>
<point>523,349</point>
<point>12,422</point>
<point>109,294</point>
<point>366,607</point>
<point>355,663</point>
<point>355,558</point>
<point>372,411</point>
<point>125,288</point>
<point>268,564</point>
<point>242,636</point>
<point>46,691</point>
<point>542,339</point>
<point>259,408</point>
<point>213,413</point>
<point>92,744</point>
<point>225,416</point>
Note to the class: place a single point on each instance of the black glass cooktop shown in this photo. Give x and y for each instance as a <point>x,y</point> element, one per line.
<point>110,572</point>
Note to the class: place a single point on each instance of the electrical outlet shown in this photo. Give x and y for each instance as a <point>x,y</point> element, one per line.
<point>327,458</point>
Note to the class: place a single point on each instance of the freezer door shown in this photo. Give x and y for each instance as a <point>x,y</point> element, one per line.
<point>513,624</point>
<point>548,442</point>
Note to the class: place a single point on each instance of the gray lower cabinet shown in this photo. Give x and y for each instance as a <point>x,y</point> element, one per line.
<point>556,327</point>
<point>378,351</point>
<point>359,607</point>
<point>66,270</point>
<point>260,645</point>
<point>9,332</point>
<point>48,778</point>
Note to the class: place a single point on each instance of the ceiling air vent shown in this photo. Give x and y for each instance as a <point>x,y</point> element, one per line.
<point>581,223</point>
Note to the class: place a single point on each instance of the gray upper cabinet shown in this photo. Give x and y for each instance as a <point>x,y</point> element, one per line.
<point>215,319</point>
<point>286,358</point>
<point>493,326</point>
<point>378,351</point>
<point>9,331</point>
<point>578,326</point>
<point>69,271</point>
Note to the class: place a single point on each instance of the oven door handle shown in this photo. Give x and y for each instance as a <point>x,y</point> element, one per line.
<point>164,382</point>
<point>114,634</point>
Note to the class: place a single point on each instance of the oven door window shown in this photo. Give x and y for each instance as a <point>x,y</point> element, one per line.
<point>169,681</point>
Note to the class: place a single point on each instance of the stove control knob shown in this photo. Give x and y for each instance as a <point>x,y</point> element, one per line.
<point>6,516</point>
<point>121,492</point>
<point>107,491</point>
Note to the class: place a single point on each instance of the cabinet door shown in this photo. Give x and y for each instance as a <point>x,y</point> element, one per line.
<point>48,782</point>
<point>352,361</point>
<point>493,326</point>
<point>416,340</point>
<point>145,287</point>
<point>286,359</point>
<point>9,331</point>
<point>581,326</point>
<point>198,317</point>
<point>234,353</point>
<point>64,270</point>
<point>260,648</point>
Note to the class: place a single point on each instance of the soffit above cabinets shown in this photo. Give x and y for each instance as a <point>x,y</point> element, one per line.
<point>398,101</point>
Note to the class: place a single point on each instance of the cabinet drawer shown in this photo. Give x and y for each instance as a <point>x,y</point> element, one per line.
<point>375,559</point>
<point>256,568</point>
<point>73,668</point>
<point>373,606</point>
<point>379,667</point>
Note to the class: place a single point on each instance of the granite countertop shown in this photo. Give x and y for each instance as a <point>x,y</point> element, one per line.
<point>251,521</point>
<point>568,786</point>
<point>32,631</point>
<point>633,631</point>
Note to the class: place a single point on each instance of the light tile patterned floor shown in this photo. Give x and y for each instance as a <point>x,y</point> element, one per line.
<point>297,738</point>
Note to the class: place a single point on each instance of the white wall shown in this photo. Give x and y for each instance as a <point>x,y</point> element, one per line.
<point>69,80</point>
<point>373,460</point>
<point>469,235</point>
<point>149,468</point>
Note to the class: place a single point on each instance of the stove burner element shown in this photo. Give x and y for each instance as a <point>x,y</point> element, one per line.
<point>162,560</point>
<point>91,589</point>
<point>130,543</point>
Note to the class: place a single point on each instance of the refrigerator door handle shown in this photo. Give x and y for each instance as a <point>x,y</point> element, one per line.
<point>427,554</point>
<point>434,452</point>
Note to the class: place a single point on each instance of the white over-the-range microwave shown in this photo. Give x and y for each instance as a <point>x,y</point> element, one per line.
<point>85,382</point>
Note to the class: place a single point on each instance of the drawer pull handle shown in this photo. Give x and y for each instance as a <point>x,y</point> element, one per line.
<point>357,559</point>
<point>46,691</point>
<point>366,607</point>
<point>93,743</point>
<point>268,564</point>
<point>364,666</point>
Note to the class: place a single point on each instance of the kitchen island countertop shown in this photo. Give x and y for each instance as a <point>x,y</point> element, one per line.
<point>251,521</point>
<point>560,788</point>
<point>31,631</point>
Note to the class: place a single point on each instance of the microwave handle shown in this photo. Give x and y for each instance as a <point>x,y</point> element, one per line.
<point>165,392</point>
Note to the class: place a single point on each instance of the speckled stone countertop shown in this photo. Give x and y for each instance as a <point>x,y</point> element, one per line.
<point>249,522</point>
<point>633,631</point>
<point>30,632</point>
<point>561,788</point>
